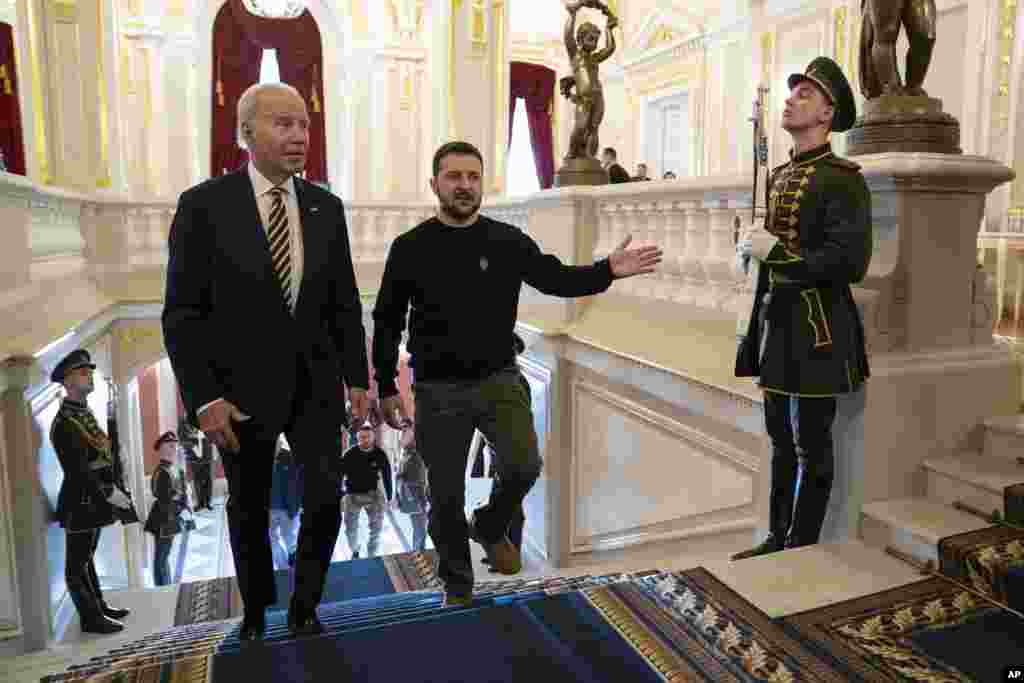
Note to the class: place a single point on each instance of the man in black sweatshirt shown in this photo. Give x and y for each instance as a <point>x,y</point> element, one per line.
<point>461,273</point>
<point>362,469</point>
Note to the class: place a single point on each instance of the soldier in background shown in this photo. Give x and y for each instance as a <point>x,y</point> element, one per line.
<point>92,494</point>
<point>164,522</point>
<point>201,463</point>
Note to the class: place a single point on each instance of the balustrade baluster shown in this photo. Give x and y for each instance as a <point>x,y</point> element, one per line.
<point>693,275</point>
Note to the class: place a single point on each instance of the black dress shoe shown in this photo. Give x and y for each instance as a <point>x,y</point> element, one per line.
<point>115,612</point>
<point>103,625</point>
<point>304,624</point>
<point>772,544</point>
<point>252,629</point>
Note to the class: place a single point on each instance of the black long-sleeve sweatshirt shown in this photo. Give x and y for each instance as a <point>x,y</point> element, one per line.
<point>463,284</point>
<point>360,470</point>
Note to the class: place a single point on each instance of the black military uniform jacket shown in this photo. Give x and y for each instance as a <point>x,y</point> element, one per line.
<point>90,468</point>
<point>169,500</point>
<point>805,336</point>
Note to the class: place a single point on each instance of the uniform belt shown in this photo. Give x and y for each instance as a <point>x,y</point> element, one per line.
<point>99,465</point>
<point>777,279</point>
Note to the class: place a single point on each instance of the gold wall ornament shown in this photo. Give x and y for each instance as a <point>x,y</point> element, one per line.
<point>405,100</point>
<point>6,79</point>
<point>220,84</point>
<point>839,16</point>
<point>661,36</point>
<point>64,12</point>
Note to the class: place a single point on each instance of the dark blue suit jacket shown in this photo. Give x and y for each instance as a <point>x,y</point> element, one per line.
<point>226,328</point>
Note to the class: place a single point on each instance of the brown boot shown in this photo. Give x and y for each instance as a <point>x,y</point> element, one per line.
<point>503,557</point>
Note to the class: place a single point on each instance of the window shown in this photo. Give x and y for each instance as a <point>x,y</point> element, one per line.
<point>269,71</point>
<point>521,169</point>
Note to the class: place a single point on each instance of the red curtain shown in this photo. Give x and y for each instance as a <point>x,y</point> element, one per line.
<point>300,61</point>
<point>536,85</point>
<point>12,142</point>
<point>236,66</point>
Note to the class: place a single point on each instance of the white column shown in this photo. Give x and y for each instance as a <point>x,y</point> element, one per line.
<point>177,76</point>
<point>27,507</point>
<point>129,419</point>
<point>167,397</point>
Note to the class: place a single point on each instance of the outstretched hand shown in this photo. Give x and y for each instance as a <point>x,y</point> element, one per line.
<point>637,261</point>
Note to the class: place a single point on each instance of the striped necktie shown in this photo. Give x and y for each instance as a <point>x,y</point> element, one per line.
<point>279,237</point>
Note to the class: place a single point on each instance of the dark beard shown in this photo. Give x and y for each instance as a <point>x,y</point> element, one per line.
<point>455,213</point>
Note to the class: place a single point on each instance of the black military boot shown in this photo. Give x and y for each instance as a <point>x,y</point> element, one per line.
<point>784,471</point>
<point>812,500</point>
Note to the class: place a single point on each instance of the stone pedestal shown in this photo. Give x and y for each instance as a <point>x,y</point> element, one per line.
<point>934,378</point>
<point>902,123</point>
<point>581,171</point>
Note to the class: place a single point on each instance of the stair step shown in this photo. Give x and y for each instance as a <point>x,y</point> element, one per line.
<point>807,578</point>
<point>914,525</point>
<point>1004,437</point>
<point>971,478</point>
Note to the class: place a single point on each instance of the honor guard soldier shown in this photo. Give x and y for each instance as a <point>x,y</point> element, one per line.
<point>92,495</point>
<point>805,339</point>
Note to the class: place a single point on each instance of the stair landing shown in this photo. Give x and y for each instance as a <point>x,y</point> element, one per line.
<point>807,578</point>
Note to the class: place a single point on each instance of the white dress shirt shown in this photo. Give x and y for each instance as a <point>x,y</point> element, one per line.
<point>264,201</point>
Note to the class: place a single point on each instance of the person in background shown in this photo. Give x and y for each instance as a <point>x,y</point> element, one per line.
<point>669,175</point>
<point>616,174</point>
<point>285,503</point>
<point>411,490</point>
<point>201,464</point>
<point>91,496</point>
<point>641,173</point>
<point>361,471</point>
<point>164,522</point>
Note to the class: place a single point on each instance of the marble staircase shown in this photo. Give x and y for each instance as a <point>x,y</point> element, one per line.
<point>963,492</point>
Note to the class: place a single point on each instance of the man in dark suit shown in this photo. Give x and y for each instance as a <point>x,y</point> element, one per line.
<point>262,320</point>
<point>616,174</point>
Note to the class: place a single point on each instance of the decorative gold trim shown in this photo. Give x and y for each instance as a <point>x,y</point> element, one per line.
<point>767,46</point>
<point>103,179</point>
<point>622,619</point>
<point>500,95</point>
<point>478,22</point>
<point>456,5</point>
<point>1004,39</point>
<point>38,99</point>
<point>674,73</point>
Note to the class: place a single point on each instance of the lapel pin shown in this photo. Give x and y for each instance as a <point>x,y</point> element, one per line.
<point>483,263</point>
<point>314,209</point>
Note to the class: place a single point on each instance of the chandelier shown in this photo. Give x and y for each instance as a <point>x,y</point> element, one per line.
<point>276,9</point>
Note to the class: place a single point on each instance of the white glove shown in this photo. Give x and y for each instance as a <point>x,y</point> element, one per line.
<point>742,264</point>
<point>119,500</point>
<point>761,244</point>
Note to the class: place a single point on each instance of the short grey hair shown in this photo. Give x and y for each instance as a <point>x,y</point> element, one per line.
<point>248,101</point>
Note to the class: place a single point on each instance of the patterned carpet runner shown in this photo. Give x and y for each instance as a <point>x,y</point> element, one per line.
<point>989,560</point>
<point>219,599</point>
<point>931,630</point>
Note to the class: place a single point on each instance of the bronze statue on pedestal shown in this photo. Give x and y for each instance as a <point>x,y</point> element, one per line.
<point>898,116</point>
<point>879,74</point>
<point>581,166</point>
